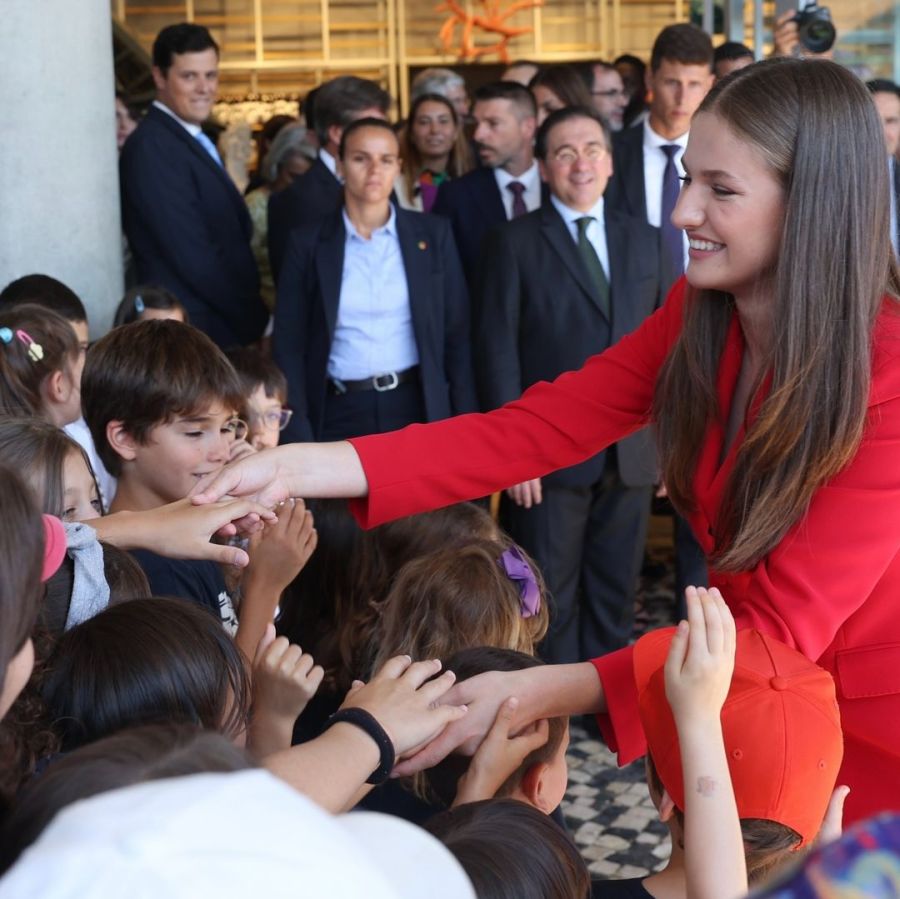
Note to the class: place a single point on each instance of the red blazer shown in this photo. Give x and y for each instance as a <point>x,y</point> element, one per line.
<point>831,588</point>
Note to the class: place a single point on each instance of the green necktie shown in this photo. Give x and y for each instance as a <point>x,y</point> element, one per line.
<point>592,264</point>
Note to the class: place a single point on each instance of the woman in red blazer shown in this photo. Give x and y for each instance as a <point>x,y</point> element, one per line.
<point>773,378</point>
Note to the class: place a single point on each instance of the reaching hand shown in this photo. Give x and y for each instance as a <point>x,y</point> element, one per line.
<point>284,678</point>
<point>280,551</point>
<point>260,476</point>
<point>404,701</point>
<point>482,695</point>
<point>526,494</point>
<point>500,755</point>
<point>701,658</point>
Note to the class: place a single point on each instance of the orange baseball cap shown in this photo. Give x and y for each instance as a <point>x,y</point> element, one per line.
<point>781,726</point>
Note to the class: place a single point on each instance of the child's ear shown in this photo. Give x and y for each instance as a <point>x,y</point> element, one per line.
<point>121,441</point>
<point>56,387</point>
<point>533,786</point>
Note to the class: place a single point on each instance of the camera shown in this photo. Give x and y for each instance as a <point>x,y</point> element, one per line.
<point>815,27</point>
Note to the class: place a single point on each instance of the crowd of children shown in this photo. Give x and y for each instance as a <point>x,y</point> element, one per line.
<point>166,640</point>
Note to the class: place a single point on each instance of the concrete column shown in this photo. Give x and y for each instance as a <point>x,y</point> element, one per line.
<point>59,187</point>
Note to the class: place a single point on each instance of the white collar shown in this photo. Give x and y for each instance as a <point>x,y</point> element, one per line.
<point>654,140</point>
<point>190,127</point>
<point>328,160</point>
<point>528,178</point>
<point>570,216</point>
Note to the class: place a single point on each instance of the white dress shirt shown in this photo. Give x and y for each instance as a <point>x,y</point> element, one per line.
<point>596,230</point>
<point>654,169</point>
<point>374,330</point>
<point>329,162</point>
<point>530,179</point>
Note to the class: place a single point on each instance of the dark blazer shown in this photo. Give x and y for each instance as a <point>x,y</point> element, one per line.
<point>537,317</point>
<point>474,206</point>
<point>307,200</point>
<point>189,229</point>
<point>627,193</point>
<point>307,307</point>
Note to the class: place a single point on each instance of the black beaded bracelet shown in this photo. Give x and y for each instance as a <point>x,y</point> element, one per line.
<point>363,720</point>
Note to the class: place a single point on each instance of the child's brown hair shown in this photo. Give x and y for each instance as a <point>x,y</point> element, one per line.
<point>146,373</point>
<point>459,597</point>
<point>35,342</point>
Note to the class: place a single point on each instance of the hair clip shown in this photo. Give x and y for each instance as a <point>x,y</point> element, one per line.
<point>519,571</point>
<point>139,306</point>
<point>35,350</point>
<point>6,335</point>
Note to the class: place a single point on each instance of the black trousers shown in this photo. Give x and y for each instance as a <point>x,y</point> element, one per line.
<point>589,542</point>
<point>372,411</point>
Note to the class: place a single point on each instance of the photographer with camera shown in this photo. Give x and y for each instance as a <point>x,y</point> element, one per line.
<point>808,33</point>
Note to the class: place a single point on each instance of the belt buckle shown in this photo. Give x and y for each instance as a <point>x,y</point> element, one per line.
<point>391,383</point>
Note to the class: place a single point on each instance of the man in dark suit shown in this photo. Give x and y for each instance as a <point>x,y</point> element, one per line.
<point>317,193</point>
<point>645,183</point>
<point>372,327</point>
<point>557,286</point>
<point>187,224</point>
<point>508,185</point>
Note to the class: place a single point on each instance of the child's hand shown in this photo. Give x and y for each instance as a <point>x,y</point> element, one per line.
<point>404,701</point>
<point>701,658</point>
<point>239,449</point>
<point>833,825</point>
<point>284,677</point>
<point>280,551</point>
<point>500,755</point>
<point>284,680</point>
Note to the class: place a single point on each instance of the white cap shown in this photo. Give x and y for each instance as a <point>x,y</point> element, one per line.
<point>229,836</point>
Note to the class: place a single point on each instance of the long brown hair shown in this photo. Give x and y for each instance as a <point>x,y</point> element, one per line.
<point>460,160</point>
<point>817,127</point>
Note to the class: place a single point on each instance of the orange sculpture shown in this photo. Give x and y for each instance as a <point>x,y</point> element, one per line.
<point>492,19</point>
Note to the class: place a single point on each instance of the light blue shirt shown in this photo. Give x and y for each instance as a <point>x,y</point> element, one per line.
<point>596,230</point>
<point>374,330</point>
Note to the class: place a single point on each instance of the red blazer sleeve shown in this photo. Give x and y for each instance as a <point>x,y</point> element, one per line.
<point>551,426</point>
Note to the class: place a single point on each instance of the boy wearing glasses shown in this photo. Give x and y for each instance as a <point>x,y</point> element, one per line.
<point>264,390</point>
<point>161,400</point>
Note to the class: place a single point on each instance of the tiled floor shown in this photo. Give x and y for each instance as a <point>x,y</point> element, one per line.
<point>607,808</point>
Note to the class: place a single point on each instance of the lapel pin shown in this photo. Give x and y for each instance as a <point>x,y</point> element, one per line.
<point>423,245</point>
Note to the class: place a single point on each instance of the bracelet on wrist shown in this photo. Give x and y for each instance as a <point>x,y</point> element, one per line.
<point>364,721</point>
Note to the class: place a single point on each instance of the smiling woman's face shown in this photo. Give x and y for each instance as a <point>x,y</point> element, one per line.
<point>731,206</point>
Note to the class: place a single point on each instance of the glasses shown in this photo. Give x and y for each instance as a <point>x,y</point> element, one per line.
<point>273,420</point>
<point>611,93</point>
<point>568,156</point>
<point>237,429</point>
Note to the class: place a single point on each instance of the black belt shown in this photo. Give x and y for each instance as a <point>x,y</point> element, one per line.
<point>382,383</point>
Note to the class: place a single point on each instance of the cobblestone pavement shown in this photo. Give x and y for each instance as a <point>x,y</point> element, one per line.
<point>608,809</point>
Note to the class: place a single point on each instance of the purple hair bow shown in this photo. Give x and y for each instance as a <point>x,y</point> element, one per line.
<point>519,571</point>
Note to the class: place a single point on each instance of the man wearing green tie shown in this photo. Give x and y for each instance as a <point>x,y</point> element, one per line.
<point>557,286</point>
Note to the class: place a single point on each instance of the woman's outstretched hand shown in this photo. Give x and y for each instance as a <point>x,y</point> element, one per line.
<point>260,476</point>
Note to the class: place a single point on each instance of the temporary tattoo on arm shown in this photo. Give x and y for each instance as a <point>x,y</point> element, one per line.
<point>706,786</point>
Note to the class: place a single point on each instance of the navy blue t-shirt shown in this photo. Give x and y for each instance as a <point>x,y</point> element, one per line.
<point>201,582</point>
